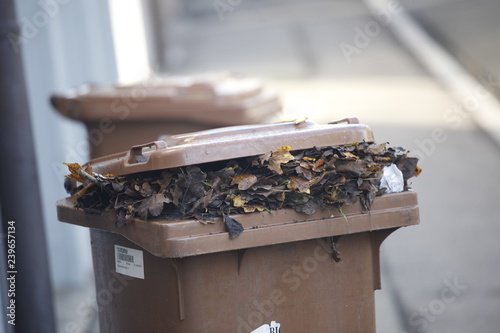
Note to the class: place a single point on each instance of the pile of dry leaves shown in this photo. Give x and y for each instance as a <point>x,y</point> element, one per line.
<point>305,180</point>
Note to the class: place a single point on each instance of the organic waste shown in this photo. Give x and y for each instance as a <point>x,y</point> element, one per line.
<point>304,180</point>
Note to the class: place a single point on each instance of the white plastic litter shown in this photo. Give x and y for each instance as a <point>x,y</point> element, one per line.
<point>392,179</point>
<point>273,328</point>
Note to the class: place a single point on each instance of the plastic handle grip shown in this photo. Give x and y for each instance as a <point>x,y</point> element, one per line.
<point>140,153</point>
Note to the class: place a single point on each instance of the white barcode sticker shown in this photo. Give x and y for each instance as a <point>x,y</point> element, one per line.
<point>129,262</point>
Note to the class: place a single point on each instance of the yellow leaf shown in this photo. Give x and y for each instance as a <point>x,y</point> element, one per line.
<point>81,192</point>
<point>349,155</point>
<point>73,169</point>
<point>383,159</point>
<point>285,148</point>
<point>279,157</point>
<point>300,121</point>
<point>418,171</point>
<point>238,201</point>
<point>88,169</point>
<point>253,208</point>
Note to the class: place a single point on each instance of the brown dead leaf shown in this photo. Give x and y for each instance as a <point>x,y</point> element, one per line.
<point>146,190</point>
<point>157,201</point>
<point>319,166</point>
<point>375,149</point>
<point>152,205</point>
<point>233,227</point>
<point>307,181</point>
<point>305,165</point>
<point>356,167</point>
<point>382,159</point>
<point>204,219</point>
<point>280,196</point>
<point>301,171</point>
<point>264,158</point>
<point>299,184</point>
<point>244,181</point>
<point>407,165</point>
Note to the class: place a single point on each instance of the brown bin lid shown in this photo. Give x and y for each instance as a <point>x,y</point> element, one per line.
<point>215,98</point>
<point>183,238</point>
<point>230,143</point>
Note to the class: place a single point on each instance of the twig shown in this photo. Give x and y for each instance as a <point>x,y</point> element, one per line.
<point>89,177</point>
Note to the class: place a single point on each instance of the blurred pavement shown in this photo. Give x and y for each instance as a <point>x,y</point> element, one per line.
<point>467,29</point>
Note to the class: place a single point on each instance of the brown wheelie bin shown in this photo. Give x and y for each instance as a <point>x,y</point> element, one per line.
<point>281,274</point>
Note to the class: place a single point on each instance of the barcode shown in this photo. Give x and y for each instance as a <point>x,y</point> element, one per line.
<point>125,257</point>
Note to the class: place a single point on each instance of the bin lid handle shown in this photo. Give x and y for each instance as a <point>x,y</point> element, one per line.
<point>349,120</point>
<point>137,153</point>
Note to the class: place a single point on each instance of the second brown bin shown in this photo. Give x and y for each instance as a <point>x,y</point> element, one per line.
<point>118,117</point>
<point>183,276</point>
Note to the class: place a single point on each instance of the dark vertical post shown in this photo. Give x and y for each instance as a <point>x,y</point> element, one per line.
<point>19,190</point>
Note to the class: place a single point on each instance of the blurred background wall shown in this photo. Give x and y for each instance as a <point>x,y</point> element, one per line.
<point>71,44</point>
